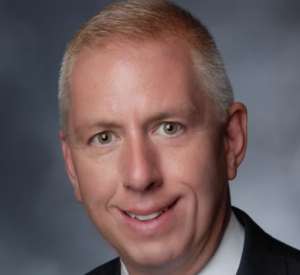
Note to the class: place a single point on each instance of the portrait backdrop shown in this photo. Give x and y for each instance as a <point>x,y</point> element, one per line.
<point>43,230</point>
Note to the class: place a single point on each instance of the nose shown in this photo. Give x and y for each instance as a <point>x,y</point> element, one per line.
<point>141,166</point>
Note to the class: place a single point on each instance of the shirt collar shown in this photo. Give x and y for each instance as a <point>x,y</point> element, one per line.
<point>227,257</point>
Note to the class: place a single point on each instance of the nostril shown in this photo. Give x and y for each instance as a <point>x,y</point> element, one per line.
<point>128,186</point>
<point>150,185</point>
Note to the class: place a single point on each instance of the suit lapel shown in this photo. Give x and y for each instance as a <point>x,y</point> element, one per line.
<point>261,253</point>
<point>112,267</point>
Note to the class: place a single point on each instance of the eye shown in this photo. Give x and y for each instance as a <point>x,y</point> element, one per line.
<point>104,138</point>
<point>169,128</point>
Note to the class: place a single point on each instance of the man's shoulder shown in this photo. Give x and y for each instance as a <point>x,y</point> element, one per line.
<point>264,254</point>
<point>112,267</point>
<point>291,255</point>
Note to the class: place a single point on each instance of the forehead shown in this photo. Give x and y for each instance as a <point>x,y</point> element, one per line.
<point>131,79</point>
<point>137,58</point>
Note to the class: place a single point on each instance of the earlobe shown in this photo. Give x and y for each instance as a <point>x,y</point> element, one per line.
<point>231,165</point>
<point>70,166</point>
<point>235,138</point>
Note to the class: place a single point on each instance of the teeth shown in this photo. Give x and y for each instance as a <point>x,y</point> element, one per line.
<point>146,217</point>
<point>130,215</point>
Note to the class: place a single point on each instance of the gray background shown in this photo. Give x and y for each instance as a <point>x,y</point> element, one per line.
<point>43,230</point>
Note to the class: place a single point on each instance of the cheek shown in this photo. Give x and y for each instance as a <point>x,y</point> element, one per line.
<point>196,171</point>
<point>199,168</point>
<point>192,162</point>
<point>97,179</point>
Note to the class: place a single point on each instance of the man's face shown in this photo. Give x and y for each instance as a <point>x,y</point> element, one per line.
<point>141,142</point>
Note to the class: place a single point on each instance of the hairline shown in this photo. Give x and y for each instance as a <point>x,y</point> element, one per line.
<point>164,21</point>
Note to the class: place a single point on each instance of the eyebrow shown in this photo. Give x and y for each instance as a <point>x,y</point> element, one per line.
<point>191,113</point>
<point>185,112</point>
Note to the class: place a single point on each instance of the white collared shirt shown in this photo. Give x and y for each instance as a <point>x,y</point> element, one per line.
<point>227,257</point>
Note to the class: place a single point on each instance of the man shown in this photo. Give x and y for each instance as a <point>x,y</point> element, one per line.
<point>151,136</point>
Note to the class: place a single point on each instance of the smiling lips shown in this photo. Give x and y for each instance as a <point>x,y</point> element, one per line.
<point>148,217</point>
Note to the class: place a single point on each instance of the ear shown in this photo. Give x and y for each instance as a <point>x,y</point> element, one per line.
<point>70,166</point>
<point>235,138</point>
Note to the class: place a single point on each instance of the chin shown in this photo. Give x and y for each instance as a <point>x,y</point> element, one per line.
<point>154,254</point>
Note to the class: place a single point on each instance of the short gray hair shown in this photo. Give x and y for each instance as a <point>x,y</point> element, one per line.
<point>136,20</point>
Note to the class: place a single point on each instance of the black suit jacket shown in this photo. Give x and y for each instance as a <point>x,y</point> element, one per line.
<point>262,254</point>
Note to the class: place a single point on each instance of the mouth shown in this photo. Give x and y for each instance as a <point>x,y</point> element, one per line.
<point>150,222</point>
<point>150,216</point>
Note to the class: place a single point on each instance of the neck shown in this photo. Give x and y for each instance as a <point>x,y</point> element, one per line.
<point>196,259</point>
